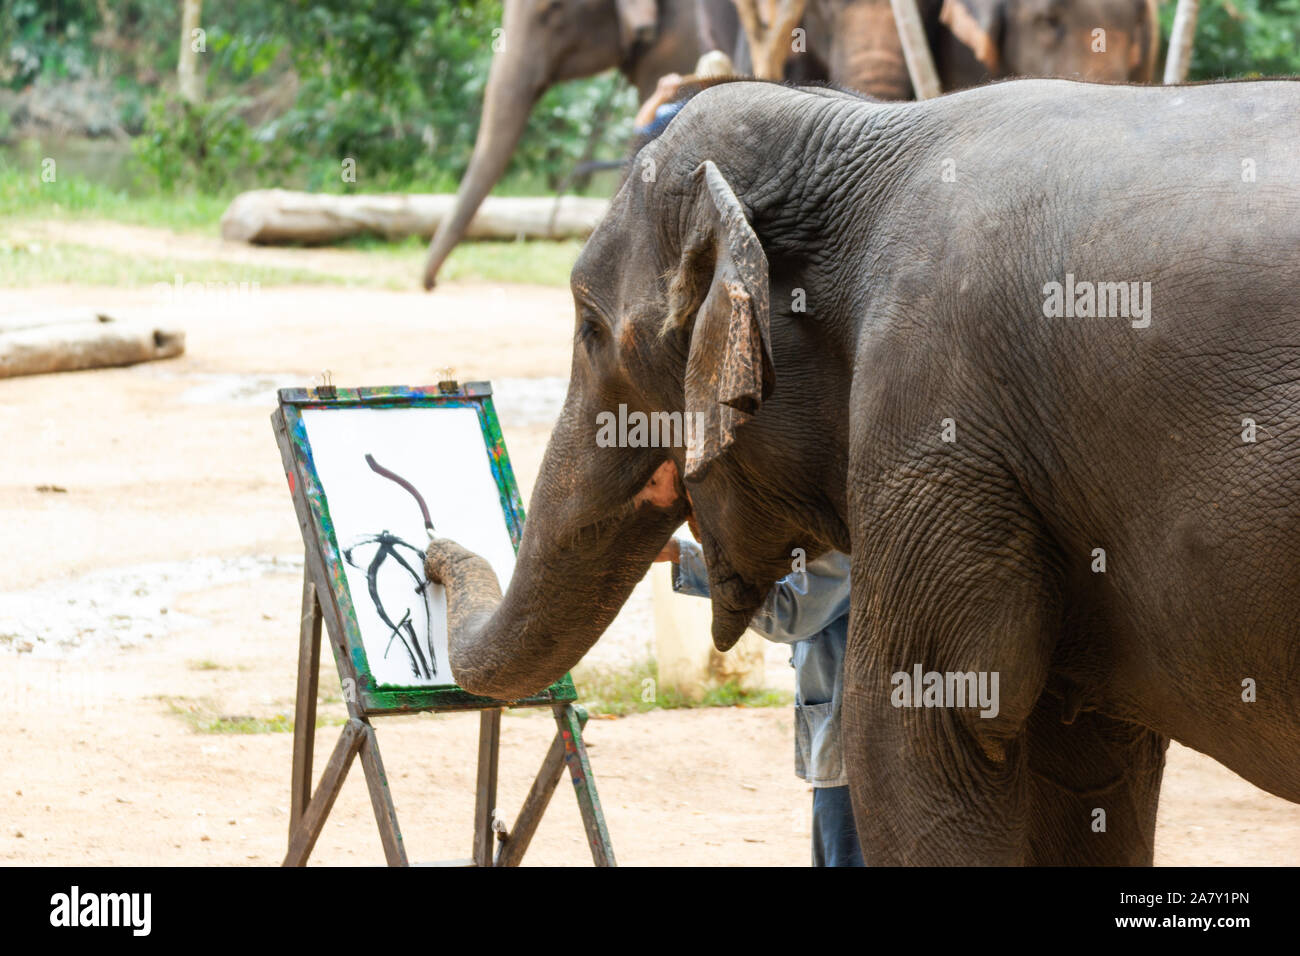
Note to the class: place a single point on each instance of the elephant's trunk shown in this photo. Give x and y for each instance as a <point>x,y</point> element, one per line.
<point>473,596</point>
<point>558,604</point>
<point>590,539</point>
<point>515,82</point>
<point>867,55</point>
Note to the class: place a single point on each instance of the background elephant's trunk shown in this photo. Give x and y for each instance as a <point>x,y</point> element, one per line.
<point>514,85</point>
<point>867,55</point>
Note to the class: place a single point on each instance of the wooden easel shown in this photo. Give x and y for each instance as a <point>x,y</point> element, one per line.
<point>309,811</point>
<point>320,605</point>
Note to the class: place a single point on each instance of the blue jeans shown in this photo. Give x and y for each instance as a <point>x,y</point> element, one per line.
<point>834,834</point>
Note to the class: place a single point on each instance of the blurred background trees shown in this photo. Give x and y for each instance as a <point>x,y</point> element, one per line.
<point>290,88</point>
<point>1243,38</point>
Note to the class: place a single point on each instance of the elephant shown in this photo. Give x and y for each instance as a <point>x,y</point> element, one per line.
<point>846,318</point>
<point>546,42</point>
<point>855,44</point>
<point>1115,41</point>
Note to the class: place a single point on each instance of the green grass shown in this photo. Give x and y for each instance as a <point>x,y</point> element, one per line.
<point>603,691</point>
<point>636,691</point>
<point>25,199</point>
<point>39,262</point>
<point>24,195</point>
<point>542,262</point>
<point>203,718</point>
<point>207,666</point>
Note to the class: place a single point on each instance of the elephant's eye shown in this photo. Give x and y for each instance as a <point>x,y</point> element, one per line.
<point>589,332</point>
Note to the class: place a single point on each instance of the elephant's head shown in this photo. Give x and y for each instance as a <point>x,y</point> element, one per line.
<point>674,321</point>
<point>1103,40</point>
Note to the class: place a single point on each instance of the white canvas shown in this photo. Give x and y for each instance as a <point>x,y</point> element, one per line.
<point>441,451</point>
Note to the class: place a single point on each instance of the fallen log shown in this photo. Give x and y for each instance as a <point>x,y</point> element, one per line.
<point>71,346</point>
<point>270,216</point>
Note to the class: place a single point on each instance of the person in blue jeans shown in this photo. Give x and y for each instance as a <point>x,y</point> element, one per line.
<point>809,610</point>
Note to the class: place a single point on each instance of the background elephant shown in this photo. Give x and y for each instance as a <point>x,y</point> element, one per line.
<point>801,344</point>
<point>989,39</point>
<point>854,43</point>
<point>550,41</point>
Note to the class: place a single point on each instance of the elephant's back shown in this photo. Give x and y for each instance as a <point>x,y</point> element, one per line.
<point>1108,296</point>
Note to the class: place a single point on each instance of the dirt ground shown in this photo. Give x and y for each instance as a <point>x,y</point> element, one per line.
<point>156,582</point>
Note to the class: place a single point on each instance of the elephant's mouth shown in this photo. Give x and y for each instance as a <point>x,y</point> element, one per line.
<point>664,487</point>
<point>662,491</point>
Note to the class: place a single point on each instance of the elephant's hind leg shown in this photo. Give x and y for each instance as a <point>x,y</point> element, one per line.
<point>955,578</point>
<point>1095,786</point>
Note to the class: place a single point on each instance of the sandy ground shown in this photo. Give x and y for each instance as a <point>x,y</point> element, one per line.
<point>163,585</point>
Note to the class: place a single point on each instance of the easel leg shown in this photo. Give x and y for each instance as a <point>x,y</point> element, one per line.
<point>303,837</point>
<point>381,798</point>
<point>530,814</point>
<point>304,721</point>
<point>485,801</point>
<point>570,720</point>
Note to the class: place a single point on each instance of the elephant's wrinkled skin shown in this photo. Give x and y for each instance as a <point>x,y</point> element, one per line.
<point>922,236</point>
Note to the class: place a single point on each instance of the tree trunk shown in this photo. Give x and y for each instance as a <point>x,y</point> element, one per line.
<point>187,67</point>
<point>769,33</point>
<point>916,50</point>
<point>1182,34</point>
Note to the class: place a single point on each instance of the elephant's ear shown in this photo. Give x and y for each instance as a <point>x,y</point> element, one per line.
<point>978,25</point>
<point>729,364</point>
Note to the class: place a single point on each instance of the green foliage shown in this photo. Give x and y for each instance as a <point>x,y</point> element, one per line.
<point>207,145</point>
<point>1242,38</point>
<point>395,85</point>
<point>555,139</point>
<point>294,87</point>
<point>69,39</point>
<point>43,38</point>
<point>242,55</point>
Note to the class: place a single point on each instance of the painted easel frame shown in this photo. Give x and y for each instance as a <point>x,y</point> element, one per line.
<point>326,598</point>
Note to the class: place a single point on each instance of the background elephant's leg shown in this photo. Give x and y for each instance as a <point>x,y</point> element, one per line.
<point>955,577</point>
<point>1097,763</point>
